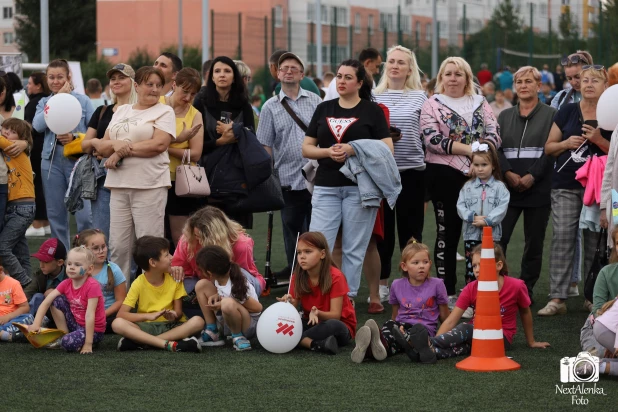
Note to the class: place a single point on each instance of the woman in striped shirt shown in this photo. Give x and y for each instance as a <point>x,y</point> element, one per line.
<point>400,90</point>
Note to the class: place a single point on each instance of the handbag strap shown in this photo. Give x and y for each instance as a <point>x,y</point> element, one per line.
<point>186,155</point>
<point>288,109</point>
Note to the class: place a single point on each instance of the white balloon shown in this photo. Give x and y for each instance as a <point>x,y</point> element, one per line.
<point>607,108</point>
<point>280,328</point>
<point>62,113</point>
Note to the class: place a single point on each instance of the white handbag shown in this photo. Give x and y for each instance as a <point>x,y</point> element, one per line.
<point>191,181</point>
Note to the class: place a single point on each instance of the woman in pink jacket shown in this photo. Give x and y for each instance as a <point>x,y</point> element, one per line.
<point>451,120</point>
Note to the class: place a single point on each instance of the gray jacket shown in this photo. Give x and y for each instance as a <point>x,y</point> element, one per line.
<point>83,182</point>
<point>375,171</point>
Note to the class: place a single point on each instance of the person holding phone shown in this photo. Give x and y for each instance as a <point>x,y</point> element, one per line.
<point>225,103</point>
<point>573,138</point>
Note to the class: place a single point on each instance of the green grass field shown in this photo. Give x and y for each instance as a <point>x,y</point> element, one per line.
<point>221,379</point>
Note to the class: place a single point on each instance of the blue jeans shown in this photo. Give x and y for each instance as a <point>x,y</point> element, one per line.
<point>55,174</point>
<point>4,197</point>
<point>35,302</point>
<point>13,244</point>
<point>100,208</point>
<point>26,319</point>
<point>341,206</point>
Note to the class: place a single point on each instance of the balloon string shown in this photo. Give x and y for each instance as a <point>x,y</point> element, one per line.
<point>293,262</point>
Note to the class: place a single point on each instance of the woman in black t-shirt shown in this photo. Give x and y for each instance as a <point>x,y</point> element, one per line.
<point>121,78</point>
<point>336,199</point>
<point>573,139</point>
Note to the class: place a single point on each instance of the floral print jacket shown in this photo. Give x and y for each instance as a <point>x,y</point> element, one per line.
<point>441,126</point>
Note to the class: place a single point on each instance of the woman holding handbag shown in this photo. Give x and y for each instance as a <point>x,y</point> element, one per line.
<point>225,103</point>
<point>189,142</point>
<point>122,92</point>
<point>55,167</point>
<point>138,177</point>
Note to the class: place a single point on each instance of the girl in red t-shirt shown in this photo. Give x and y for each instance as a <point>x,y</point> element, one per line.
<point>329,320</point>
<point>456,340</point>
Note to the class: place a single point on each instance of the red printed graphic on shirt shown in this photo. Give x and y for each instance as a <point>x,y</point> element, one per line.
<point>338,126</point>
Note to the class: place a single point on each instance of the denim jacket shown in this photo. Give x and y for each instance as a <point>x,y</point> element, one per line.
<point>38,123</point>
<point>83,182</point>
<point>494,207</point>
<point>375,171</point>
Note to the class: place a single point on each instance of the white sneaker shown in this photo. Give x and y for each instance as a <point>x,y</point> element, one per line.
<point>452,299</point>
<point>33,232</point>
<point>385,294</point>
<point>460,258</point>
<point>573,291</point>
<point>47,230</point>
<point>468,314</point>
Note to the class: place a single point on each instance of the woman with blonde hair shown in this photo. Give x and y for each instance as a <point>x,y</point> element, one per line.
<point>400,90</point>
<point>450,121</point>
<point>211,226</point>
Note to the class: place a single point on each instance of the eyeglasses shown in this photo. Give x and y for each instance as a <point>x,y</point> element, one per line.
<point>573,59</point>
<point>98,249</point>
<point>593,66</point>
<point>285,69</point>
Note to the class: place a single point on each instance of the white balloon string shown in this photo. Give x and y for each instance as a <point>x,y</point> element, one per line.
<point>580,146</point>
<point>293,262</point>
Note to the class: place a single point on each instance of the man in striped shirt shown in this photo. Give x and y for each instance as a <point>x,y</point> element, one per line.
<point>282,136</point>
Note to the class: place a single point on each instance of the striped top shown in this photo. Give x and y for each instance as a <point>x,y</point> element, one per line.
<point>405,110</point>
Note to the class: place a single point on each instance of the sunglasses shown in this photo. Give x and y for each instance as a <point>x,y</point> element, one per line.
<point>573,59</point>
<point>593,66</point>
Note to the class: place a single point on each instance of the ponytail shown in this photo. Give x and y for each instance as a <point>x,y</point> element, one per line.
<point>216,260</point>
<point>239,283</point>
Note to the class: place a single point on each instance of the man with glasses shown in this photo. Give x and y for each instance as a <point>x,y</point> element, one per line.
<point>306,83</point>
<point>283,122</point>
<point>572,67</point>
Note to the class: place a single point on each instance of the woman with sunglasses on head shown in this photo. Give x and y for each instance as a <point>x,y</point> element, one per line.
<point>572,65</point>
<point>122,92</point>
<point>55,167</point>
<point>573,139</point>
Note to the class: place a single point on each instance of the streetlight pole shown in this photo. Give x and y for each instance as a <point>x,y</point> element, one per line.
<point>180,29</point>
<point>434,39</point>
<point>45,31</point>
<point>204,30</point>
<point>318,37</point>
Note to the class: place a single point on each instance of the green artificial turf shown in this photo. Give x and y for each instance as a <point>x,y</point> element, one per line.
<point>221,379</point>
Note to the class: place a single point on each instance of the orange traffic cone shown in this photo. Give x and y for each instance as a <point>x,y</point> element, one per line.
<point>487,338</point>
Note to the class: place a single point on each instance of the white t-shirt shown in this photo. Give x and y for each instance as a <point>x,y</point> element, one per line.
<point>464,106</point>
<point>225,291</point>
<point>137,126</point>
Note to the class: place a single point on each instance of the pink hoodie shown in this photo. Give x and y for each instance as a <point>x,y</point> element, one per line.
<point>590,175</point>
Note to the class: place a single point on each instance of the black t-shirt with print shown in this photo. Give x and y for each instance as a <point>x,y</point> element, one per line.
<point>569,120</point>
<point>101,125</point>
<point>331,124</point>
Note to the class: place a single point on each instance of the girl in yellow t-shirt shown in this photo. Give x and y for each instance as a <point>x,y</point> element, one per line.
<point>189,142</point>
<point>20,207</point>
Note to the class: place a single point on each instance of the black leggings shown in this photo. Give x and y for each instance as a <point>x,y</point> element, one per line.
<point>444,184</point>
<point>410,214</point>
<point>457,342</point>
<point>323,330</point>
<point>388,340</point>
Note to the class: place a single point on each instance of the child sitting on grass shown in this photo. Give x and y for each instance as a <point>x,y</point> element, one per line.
<point>329,320</point>
<point>232,298</point>
<point>456,340</point>
<point>159,321</point>
<point>13,308</point>
<point>78,307</point>
<point>20,208</point>
<point>51,256</point>
<point>417,300</point>
<point>108,274</point>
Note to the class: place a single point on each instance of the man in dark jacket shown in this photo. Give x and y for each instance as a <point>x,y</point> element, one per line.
<point>527,170</point>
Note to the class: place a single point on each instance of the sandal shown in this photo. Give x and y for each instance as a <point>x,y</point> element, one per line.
<point>552,308</point>
<point>241,343</point>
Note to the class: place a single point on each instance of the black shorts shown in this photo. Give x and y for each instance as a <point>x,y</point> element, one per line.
<point>180,206</point>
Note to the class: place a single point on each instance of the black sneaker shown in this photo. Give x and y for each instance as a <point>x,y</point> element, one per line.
<point>405,344</point>
<point>328,345</point>
<point>188,345</point>
<point>419,338</point>
<point>125,344</point>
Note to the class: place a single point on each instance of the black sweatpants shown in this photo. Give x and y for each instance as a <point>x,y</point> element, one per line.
<point>444,184</point>
<point>410,214</point>
<point>535,226</point>
<point>323,330</point>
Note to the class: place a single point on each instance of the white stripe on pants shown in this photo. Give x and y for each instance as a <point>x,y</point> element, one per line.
<point>134,213</point>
